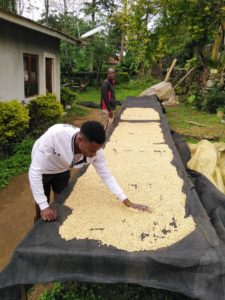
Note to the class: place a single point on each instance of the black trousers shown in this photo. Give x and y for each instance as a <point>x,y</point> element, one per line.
<point>56,182</point>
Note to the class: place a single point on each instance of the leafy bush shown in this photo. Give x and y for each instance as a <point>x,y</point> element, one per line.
<point>44,111</point>
<point>24,147</point>
<point>16,164</point>
<point>67,96</point>
<point>14,122</point>
<point>85,291</point>
<point>122,77</point>
<point>193,62</point>
<point>128,64</point>
<point>214,98</point>
<point>195,100</point>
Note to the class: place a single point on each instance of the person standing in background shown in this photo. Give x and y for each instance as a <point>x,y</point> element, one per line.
<point>108,99</point>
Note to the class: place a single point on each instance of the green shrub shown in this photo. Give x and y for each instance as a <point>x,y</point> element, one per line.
<point>67,96</point>
<point>214,98</point>
<point>52,294</point>
<point>95,291</point>
<point>17,163</point>
<point>191,99</point>
<point>24,147</point>
<point>195,100</point>
<point>14,122</point>
<point>193,62</point>
<point>122,77</point>
<point>44,111</point>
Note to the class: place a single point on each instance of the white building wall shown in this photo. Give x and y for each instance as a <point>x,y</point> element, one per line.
<point>14,42</point>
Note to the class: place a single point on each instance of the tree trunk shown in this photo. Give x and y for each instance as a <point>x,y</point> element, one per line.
<point>218,41</point>
<point>142,70</point>
<point>122,45</point>
<point>65,7</point>
<point>20,7</point>
<point>9,5</point>
<point>91,62</point>
<point>91,67</point>
<point>93,13</point>
<point>46,11</point>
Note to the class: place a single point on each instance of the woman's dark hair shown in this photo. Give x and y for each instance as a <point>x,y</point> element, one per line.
<point>93,131</point>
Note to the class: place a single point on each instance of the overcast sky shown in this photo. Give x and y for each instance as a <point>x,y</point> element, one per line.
<point>33,9</point>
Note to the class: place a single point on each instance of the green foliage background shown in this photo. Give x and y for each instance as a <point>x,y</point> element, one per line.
<point>85,291</point>
<point>44,111</point>
<point>14,122</point>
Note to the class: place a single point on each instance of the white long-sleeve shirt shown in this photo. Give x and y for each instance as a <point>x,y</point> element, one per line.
<point>53,153</point>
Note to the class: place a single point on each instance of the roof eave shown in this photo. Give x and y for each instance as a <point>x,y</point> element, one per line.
<point>16,19</point>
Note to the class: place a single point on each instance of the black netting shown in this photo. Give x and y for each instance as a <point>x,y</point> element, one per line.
<point>194,266</point>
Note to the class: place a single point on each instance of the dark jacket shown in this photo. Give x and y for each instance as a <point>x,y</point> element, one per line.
<point>108,95</point>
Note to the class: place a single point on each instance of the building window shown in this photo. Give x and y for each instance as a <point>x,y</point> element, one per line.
<point>48,74</point>
<point>30,63</point>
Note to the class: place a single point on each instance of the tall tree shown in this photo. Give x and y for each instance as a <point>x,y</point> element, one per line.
<point>100,8</point>
<point>218,41</point>
<point>46,13</point>
<point>180,27</point>
<point>134,21</point>
<point>194,22</point>
<point>20,7</point>
<point>9,5</point>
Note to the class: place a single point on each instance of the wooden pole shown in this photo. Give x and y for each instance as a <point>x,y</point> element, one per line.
<point>170,70</point>
<point>23,293</point>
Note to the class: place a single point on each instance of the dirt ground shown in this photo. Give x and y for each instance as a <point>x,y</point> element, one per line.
<point>17,208</point>
<point>16,216</point>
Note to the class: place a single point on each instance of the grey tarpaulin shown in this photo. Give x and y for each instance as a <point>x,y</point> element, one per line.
<point>194,266</point>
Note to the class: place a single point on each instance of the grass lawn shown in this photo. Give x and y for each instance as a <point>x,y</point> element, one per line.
<point>76,111</point>
<point>180,116</point>
<point>132,88</point>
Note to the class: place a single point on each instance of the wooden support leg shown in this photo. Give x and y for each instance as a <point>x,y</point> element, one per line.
<point>23,293</point>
